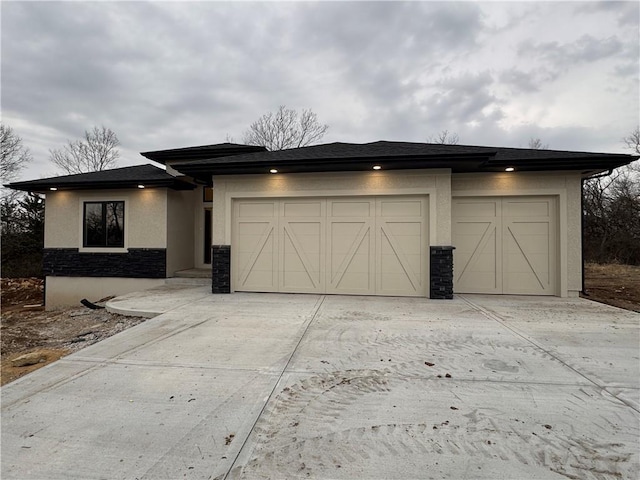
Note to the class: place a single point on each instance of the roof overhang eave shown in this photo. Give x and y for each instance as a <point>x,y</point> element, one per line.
<point>200,170</point>
<point>52,186</point>
<point>469,163</point>
<point>581,164</point>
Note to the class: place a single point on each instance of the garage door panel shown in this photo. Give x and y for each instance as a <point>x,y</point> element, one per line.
<point>350,258</point>
<point>258,210</point>
<point>473,209</point>
<point>401,208</point>
<point>357,209</point>
<point>344,234</point>
<point>475,257</point>
<point>516,252</point>
<point>526,208</point>
<point>354,283</point>
<point>529,258</point>
<point>300,269</point>
<point>302,209</point>
<point>407,235</point>
<point>256,257</point>
<point>397,272</point>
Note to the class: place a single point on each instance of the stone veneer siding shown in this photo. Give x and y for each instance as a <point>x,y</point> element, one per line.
<point>136,263</point>
<point>221,269</point>
<point>441,272</point>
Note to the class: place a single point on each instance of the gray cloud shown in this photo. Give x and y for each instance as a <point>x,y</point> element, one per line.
<point>463,98</point>
<point>530,81</point>
<point>585,49</point>
<point>626,12</point>
<point>165,75</point>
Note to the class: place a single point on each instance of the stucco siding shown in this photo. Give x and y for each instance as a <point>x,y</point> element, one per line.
<point>180,230</point>
<point>61,217</point>
<point>145,217</point>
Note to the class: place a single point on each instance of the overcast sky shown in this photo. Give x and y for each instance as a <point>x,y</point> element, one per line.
<point>167,75</point>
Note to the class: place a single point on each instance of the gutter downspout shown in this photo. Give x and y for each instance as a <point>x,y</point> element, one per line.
<point>584,291</point>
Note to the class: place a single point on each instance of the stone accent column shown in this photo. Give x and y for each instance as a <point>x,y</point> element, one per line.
<point>441,281</point>
<point>221,269</point>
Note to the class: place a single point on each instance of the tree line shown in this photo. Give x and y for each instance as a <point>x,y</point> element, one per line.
<point>611,203</point>
<point>611,212</point>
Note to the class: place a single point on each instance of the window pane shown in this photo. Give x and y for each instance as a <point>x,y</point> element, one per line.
<point>104,224</point>
<point>93,225</point>
<point>115,224</point>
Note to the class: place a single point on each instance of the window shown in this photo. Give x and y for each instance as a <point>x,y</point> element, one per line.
<point>103,224</point>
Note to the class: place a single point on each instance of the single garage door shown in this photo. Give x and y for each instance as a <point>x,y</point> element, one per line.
<point>505,245</point>
<point>354,245</point>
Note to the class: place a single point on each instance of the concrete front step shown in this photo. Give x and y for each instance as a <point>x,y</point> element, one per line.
<point>188,281</point>
<point>194,273</point>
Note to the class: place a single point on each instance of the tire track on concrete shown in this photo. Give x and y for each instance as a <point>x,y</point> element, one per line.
<point>279,445</point>
<point>583,458</point>
<point>494,316</point>
<point>276,383</point>
<point>321,403</point>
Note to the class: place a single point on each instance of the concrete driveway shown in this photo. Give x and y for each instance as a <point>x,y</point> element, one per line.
<point>312,386</point>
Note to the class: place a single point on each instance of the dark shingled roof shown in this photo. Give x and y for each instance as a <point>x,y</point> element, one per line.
<point>126,177</point>
<point>204,151</point>
<point>402,155</point>
<point>232,159</point>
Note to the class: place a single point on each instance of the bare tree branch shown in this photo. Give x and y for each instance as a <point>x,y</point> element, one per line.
<point>285,129</point>
<point>13,154</point>
<point>444,138</point>
<point>536,144</point>
<point>632,141</point>
<point>97,151</point>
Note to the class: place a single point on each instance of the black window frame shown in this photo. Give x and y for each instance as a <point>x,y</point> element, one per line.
<point>103,224</point>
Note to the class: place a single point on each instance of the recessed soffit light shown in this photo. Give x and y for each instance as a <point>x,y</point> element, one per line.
<point>53,189</point>
<point>377,167</point>
<point>509,169</point>
<point>273,170</point>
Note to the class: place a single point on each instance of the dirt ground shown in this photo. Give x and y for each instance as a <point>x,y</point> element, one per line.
<point>617,285</point>
<point>27,328</point>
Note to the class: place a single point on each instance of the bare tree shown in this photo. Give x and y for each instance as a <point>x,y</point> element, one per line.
<point>14,155</point>
<point>97,151</point>
<point>632,141</point>
<point>285,129</point>
<point>612,218</point>
<point>536,144</point>
<point>444,138</point>
<point>612,212</point>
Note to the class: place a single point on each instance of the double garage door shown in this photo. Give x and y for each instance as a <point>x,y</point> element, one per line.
<point>354,245</point>
<point>505,245</point>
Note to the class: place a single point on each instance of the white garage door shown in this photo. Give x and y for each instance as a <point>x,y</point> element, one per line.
<point>505,245</point>
<point>367,246</point>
